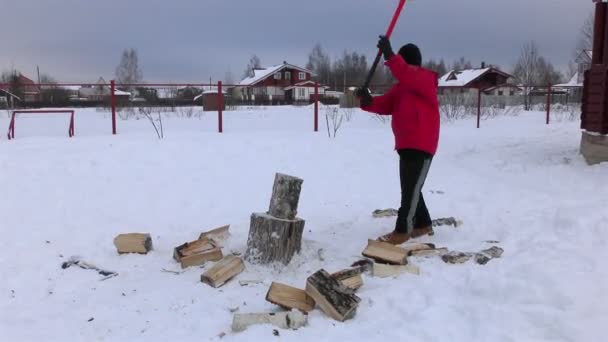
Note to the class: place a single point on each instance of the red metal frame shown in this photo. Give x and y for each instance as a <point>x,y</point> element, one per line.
<point>316,106</point>
<point>548,102</point>
<point>113,101</point>
<point>11,126</point>
<point>220,124</point>
<point>478,106</point>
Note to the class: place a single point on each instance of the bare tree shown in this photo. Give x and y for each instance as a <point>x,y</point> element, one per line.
<point>229,77</point>
<point>128,71</point>
<point>461,64</point>
<point>349,70</point>
<point>334,119</point>
<point>157,123</point>
<point>526,69</point>
<point>572,69</point>
<point>51,92</point>
<point>437,66</point>
<point>586,35</point>
<point>547,73</point>
<point>254,63</point>
<point>318,61</point>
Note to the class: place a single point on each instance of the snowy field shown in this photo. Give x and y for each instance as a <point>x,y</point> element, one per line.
<point>515,180</point>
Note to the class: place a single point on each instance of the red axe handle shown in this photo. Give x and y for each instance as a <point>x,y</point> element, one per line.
<point>389,32</point>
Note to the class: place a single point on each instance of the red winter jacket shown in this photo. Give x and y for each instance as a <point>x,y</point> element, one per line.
<point>413,104</point>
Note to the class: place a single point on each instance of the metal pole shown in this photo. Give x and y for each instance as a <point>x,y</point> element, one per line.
<point>113,103</point>
<point>478,106</point>
<point>220,99</point>
<point>316,106</point>
<point>548,102</point>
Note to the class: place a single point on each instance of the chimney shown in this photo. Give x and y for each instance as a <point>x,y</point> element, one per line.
<point>483,65</point>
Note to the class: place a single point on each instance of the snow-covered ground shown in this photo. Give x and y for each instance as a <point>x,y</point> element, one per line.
<point>515,180</point>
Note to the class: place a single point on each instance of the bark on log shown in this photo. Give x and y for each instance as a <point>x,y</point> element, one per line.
<point>133,243</point>
<point>272,239</point>
<point>385,252</point>
<point>290,297</point>
<point>223,271</point>
<point>351,278</point>
<point>285,197</point>
<point>334,299</point>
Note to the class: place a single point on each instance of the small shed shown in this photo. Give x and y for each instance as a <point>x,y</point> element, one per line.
<point>349,99</point>
<point>210,100</point>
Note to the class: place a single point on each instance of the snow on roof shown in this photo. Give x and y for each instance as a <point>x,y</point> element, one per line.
<point>73,88</point>
<point>460,78</point>
<point>209,91</point>
<point>584,56</point>
<point>261,74</point>
<point>305,84</point>
<point>504,85</point>
<point>572,83</point>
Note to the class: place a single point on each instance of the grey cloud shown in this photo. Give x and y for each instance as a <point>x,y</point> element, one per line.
<point>188,40</point>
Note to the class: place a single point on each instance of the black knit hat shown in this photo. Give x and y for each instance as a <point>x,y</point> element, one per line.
<point>411,54</point>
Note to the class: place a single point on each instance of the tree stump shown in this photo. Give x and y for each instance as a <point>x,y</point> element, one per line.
<point>285,197</point>
<point>276,236</point>
<point>272,239</point>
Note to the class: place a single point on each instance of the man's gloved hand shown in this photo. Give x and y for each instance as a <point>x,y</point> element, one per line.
<point>385,47</point>
<point>364,96</point>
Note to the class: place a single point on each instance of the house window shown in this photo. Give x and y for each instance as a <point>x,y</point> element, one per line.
<point>287,75</point>
<point>277,76</point>
<point>511,92</point>
<point>500,93</point>
<point>301,93</point>
<point>302,76</point>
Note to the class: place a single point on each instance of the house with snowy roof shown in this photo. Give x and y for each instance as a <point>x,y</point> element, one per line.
<point>282,83</point>
<point>101,92</point>
<point>583,61</point>
<point>467,81</point>
<point>574,86</point>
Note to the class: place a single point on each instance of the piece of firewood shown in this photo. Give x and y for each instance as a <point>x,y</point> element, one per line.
<point>385,271</point>
<point>413,247</point>
<point>385,252</point>
<point>133,243</point>
<point>334,299</point>
<point>223,271</point>
<point>217,235</point>
<point>429,252</point>
<point>197,252</point>
<point>385,212</point>
<point>214,254</point>
<point>350,277</point>
<point>285,197</point>
<point>250,282</point>
<point>284,320</point>
<point>290,297</point>
<point>456,257</point>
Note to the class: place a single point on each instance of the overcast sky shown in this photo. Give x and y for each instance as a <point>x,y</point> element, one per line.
<point>193,40</point>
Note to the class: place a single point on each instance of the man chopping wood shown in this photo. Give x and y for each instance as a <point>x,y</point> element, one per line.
<point>414,107</point>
